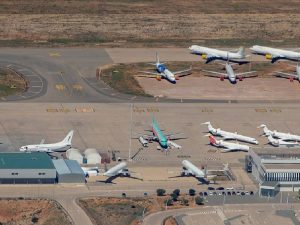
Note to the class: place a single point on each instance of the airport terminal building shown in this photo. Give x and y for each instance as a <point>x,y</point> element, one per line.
<point>275,170</point>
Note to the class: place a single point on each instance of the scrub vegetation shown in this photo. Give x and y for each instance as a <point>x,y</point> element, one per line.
<point>11,83</point>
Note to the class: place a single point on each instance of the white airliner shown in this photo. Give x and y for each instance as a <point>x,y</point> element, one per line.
<point>230,74</point>
<point>228,146</point>
<point>61,146</point>
<point>290,76</point>
<point>120,170</point>
<point>229,135</point>
<point>280,135</point>
<point>211,54</point>
<point>281,143</point>
<point>90,171</point>
<point>275,54</point>
<point>163,72</point>
<point>190,170</point>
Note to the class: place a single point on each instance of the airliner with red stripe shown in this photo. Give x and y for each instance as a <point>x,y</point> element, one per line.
<point>228,146</point>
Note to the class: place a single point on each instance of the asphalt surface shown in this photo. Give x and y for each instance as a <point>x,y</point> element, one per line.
<point>69,74</point>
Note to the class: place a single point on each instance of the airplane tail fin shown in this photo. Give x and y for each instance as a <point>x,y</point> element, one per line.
<point>212,139</point>
<point>241,52</point>
<point>68,138</point>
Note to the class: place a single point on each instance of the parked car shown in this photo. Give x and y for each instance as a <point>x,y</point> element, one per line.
<point>233,193</point>
<point>238,193</point>
<point>205,193</point>
<point>201,193</point>
<point>220,188</point>
<point>211,188</point>
<point>242,193</point>
<point>228,193</point>
<point>251,193</point>
<point>230,189</point>
<point>210,193</point>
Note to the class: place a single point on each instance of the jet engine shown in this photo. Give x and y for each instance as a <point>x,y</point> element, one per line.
<point>240,78</point>
<point>177,77</point>
<point>269,56</point>
<point>204,56</point>
<point>291,79</point>
<point>158,78</point>
<point>222,78</point>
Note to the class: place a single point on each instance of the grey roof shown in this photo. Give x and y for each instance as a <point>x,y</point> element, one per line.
<point>21,160</point>
<point>67,166</point>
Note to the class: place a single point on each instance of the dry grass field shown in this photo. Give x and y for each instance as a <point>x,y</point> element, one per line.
<point>149,23</point>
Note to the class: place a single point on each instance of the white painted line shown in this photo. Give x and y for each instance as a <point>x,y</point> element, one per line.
<point>36,86</point>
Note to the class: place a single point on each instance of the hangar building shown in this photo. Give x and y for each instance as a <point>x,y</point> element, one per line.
<point>68,171</point>
<point>275,170</point>
<point>26,168</point>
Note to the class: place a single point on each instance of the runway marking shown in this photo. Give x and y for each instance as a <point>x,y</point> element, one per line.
<point>54,54</point>
<point>261,110</point>
<point>60,87</point>
<point>85,110</point>
<point>207,110</point>
<point>51,110</point>
<point>276,110</point>
<point>35,86</point>
<point>202,213</point>
<point>77,87</point>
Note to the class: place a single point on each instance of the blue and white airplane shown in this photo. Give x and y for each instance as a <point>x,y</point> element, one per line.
<point>165,140</point>
<point>163,72</point>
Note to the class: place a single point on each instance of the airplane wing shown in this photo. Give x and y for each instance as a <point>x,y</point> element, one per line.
<point>42,141</point>
<point>285,75</point>
<point>148,74</point>
<point>215,74</point>
<point>183,72</point>
<point>175,136</point>
<point>247,74</point>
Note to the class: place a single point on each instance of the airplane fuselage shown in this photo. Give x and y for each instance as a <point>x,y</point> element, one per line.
<point>230,73</point>
<point>57,147</point>
<point>224,55</point>
<point>193,170</point>
<point>161,138</point>
<point>165,73</point>
<point>274,52</point>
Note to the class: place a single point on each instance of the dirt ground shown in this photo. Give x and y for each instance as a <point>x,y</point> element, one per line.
<point>10,83</point>
<point>199,86</point>
<point>149,23</point>
<point>39,212</point>
<point>117,211</point>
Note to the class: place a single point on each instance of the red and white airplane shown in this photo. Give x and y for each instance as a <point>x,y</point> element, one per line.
<point>228,146</point>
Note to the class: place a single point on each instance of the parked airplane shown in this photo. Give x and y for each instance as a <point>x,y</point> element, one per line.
<point>275,54</point>
<point>281,143</point>
<point>163,72</point>
<point>280,135</point>
<point>290,76</point>
<point>230,74</point>
<point>90,171</point>
<point>120,170</point>
<point>229,135</point>
<point>228,146</point>
<point>165,140</point>
<point>211,54</point>
<point>190,169</point>
<point>61,146</point>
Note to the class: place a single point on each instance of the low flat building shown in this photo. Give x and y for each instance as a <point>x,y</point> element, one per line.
<point>26,168</point>
<point>68,171</point>
<point>275,170</point>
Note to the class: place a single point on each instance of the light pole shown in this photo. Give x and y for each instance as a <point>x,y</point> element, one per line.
<point>129,152</point>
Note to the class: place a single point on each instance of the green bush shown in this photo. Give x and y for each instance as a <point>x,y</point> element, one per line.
<point>177,192</point>
<point>192,192</point>
<point>168,202</point>
<point>199,200</point>
<point>160,192</point>
<point>174,196</point>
